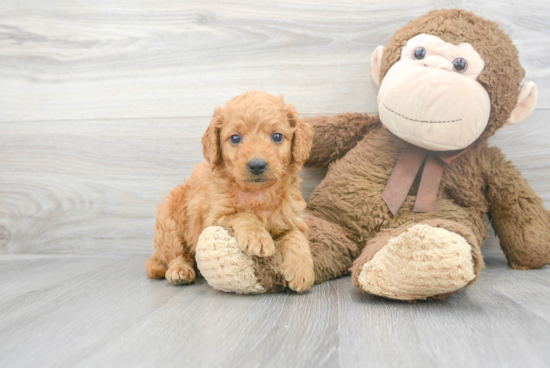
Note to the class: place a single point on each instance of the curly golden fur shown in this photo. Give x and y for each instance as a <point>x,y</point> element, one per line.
<point>264,210</point>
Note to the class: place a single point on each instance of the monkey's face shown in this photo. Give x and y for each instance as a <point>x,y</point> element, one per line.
<point>431,98</point>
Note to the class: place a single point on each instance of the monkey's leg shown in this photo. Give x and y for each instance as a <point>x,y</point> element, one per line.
<point>431,259</point>
<point>227,268</point>
<point>333,253</point>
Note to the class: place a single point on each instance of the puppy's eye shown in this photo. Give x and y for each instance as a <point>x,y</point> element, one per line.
<point>419,53</point>
<point>235,139</point>
<point>460,65</point>
<point>277,137</point>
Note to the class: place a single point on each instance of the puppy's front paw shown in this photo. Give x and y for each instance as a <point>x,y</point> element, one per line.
<point>179,275</point>
<point>256,242</point>
<point>299,273</point>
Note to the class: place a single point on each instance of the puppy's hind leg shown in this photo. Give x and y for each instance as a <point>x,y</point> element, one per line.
<point>173,259</point>
<point>181,270</point>
<point>173,256</point>
<point>156,269</point>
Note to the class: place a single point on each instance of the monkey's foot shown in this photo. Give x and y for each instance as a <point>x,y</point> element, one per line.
<point>418,262</point>
<point>227,268</point>
<point>224,265</point>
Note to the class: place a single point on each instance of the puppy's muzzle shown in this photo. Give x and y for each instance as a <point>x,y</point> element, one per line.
<point>257,167</point>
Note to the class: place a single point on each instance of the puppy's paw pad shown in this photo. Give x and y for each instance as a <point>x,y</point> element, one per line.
<point>179,275</point>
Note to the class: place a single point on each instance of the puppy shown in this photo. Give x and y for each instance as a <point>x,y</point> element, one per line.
<point>254,147</point>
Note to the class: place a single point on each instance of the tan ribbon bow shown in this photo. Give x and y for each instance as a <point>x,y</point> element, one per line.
<point>406,168</point>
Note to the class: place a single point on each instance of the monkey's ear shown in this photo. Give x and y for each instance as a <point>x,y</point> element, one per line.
<point>375,62</point>
<point>527,100</point>
<point>211,147</point>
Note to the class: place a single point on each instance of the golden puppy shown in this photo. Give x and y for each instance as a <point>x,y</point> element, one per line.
<point>255,147</point>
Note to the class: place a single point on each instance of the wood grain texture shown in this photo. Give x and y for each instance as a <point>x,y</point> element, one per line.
<point>78,59</point>
<point>103,311</point>
<point>102,105</point>
<point>93,186</point>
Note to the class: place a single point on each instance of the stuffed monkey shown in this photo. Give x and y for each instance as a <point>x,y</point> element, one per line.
<point>403,204</point>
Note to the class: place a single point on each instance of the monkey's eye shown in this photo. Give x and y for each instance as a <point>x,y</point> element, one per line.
<point>235,139</point>
<point>460,65</point>
<point>419,53</point>
<point>277,137</point>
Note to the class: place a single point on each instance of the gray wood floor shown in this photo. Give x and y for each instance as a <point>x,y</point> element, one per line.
<point>102,311</point>
<point>102,106</point>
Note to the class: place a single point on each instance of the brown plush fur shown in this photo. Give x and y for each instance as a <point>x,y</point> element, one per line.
<point>264,212</point>
<point>348,219</point>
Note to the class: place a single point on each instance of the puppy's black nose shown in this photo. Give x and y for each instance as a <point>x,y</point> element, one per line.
<point>257,167</point>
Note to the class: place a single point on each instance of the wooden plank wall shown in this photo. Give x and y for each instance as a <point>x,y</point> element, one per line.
<point>102,104</point>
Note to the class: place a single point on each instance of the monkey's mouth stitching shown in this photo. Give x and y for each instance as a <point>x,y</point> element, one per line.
<point>422,121</point>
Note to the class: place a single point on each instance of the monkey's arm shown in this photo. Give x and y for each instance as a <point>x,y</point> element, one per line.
<point>517,213</point>
<point>335,135</point>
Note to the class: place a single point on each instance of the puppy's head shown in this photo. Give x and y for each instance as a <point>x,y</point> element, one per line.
<point>257,139</point>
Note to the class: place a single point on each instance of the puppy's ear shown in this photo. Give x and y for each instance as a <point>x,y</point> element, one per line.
<point>302,138</point>
<point>211,146</point>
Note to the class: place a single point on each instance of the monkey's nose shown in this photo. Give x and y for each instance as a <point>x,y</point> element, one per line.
<point>257,166</point>
<point>437,62</point>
